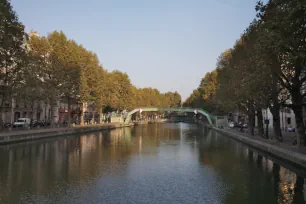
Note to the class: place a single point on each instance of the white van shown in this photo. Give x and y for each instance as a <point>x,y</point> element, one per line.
<point>22,122</point>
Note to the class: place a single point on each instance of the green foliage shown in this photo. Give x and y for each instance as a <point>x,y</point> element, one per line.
<point>12,52</point>
<point>205,95</point>
<point>282,40</point>
<point>75,72</point>
<point>149,97</point>
<point>265,68</point>
<point>55,67</point>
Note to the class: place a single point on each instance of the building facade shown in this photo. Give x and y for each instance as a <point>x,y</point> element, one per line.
<point>287,118</point>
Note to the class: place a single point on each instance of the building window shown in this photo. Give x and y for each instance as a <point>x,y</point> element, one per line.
<point>6,104</point>
<point>289,121</point>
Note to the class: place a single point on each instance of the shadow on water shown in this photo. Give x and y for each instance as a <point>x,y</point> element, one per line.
<point>255,177</point>
<point>157,163</point>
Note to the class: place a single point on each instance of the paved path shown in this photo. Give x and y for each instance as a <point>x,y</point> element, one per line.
<point>46,130</point>
<point>287,144</point>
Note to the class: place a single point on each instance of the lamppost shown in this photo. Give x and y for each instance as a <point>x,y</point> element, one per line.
<point>283,121</point>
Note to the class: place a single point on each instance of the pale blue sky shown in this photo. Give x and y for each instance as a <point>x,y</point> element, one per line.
<point>165,44</point>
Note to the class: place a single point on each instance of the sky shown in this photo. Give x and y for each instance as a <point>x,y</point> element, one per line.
<point>165,44</point>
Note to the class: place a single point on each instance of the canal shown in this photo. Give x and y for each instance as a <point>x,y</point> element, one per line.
<point>157,163</point>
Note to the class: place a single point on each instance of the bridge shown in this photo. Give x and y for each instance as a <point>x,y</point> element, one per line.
<point>211,118</point>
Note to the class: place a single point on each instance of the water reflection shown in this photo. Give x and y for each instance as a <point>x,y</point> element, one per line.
<point>260,173</point>
<point>158,163</point>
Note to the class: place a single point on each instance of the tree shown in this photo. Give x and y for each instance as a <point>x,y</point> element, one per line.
<point>123,87</point>
<point>66,53</point>
<point>240,85</point>
<point>257,80</point>
<point>204,95</point>
<point>283,41</point>
<point>100,91</point>
<point>12,52</point>
<point>50,73</point>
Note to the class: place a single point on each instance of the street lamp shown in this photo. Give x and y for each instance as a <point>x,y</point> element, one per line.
<point>283,120</point>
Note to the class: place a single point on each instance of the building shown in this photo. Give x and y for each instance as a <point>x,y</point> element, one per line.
<point>14,109</point>
<point>287,118</point>
<point>63,110</point>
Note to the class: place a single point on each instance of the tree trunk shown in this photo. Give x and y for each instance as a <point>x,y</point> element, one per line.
<point>101,115</point>
<point>1,121</point>
<point>260,122</point>
<point>12,111</point>
<point>82,114</point>
<point>251,115</point>
<point>51,114</point>
<point>275,110</point>
<point>297,108</point>
<point>69,111</point>
<point>93,118</point>
<point>298,112</point>
<point>276,123</point>
<point>1,110</point>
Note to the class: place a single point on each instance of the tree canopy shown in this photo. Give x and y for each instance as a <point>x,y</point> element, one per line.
<point>265,68</point>
<point>53,67</point>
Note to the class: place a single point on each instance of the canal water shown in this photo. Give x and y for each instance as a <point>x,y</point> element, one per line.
<point>157,163</point>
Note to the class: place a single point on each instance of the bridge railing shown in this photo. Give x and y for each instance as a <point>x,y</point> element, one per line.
<point>211,118</point>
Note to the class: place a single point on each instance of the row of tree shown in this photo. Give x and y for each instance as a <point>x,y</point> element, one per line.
<point>204,95</point>
<point>50,68</point>
<point>266,68</point>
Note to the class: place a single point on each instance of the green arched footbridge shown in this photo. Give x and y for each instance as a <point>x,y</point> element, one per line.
<point>211,118</point>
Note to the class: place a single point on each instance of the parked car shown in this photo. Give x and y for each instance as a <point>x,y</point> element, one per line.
<point>241,125</point>
<point>38,123</point>
<point>22,122</point>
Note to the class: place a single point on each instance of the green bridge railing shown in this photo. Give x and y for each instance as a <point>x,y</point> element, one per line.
<point>211,118</point>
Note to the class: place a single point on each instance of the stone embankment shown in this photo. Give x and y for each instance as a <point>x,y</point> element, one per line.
<point>28,135</point>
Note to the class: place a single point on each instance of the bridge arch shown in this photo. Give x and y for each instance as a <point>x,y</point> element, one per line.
<point>210,118</point>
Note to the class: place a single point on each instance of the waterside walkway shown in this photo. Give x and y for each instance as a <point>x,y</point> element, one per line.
<point>28,135</point>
